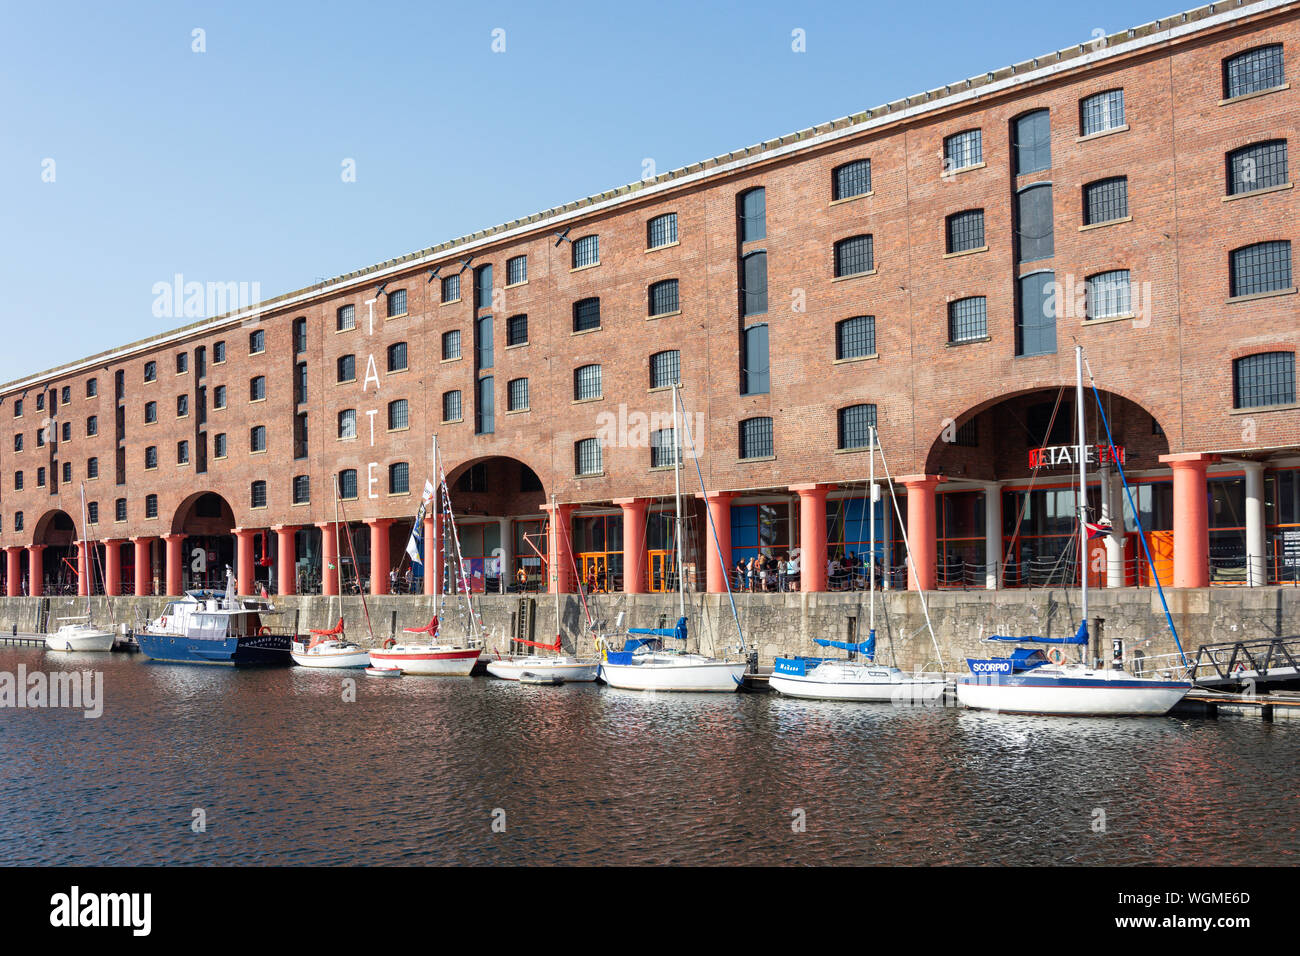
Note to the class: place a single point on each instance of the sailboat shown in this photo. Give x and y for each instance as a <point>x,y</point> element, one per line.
<point>432,657</point>
<point>81,633</point>
<point>832,678</point>
<point>1030,682</point>
<point>331,648</point>
<point>645,663</point>
<point>531,668</point>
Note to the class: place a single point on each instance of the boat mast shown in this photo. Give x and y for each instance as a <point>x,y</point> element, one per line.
<point>85,547</point>
<point>338,554</point>
<point>677,499</point>
<point>555,529</point>
<point>1083,487</point>
<point>871,525</point>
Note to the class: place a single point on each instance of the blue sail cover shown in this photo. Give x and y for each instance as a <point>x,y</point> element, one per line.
<point>678,632</point>
<point>1080,637</point>
<point>866,648</point>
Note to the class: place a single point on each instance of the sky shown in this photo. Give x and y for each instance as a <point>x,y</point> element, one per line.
<point>283,143</point>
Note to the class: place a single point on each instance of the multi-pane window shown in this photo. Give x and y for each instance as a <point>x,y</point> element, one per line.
<point>65,394</point>
<point>346,368</point>
<point>92,468</point>
<point>1035,229</point>
<point>586,382</point>
<point>965,230</point>
<point>299,336</point>
<point>1109,295</point>
<point>151,457</point>
<point>451,410</point>
<point>67,472</point>
<point>119,509</point>
<point>586,314</point>
<point>150,374</point>
<point>753,215</point>
<point>219,445</point>
<point>1267,378</point>
<point>485,406</point>
<point>586,251</point>
<point>853,256</point>
<point>18,521</point>
<point>399,478</point>
<point>756,438</point>
<point>663,448</point>
<point>18,481</point>
<point>663,297</point>
<point>92,425</point>
<point>483,342</point>
<point>963,149</point>
<point>1257,166</point>
<point>451,345</point>
<point>855,337</point>
<point>219,397</point>
<point>1263,267</point>
<point>151,506</point>
<point>855,424</point>
<point>1101,112</point>
<point>451,288</point>
<point>1036,314</point>
<point>347,423</point>
<point>257,438</point>
<point>67,431</point>
<point>257,342</point>
<point>665,368</point>
<point>397,357</point>
<point>1032,142</point>
<point>517,395</point>
<point>92,387</point>
<point>182,453</point>
<point>755,366</point>
<point>150,412</point>
<point>586,457</point>
<point>1253,71</point>
<point>851,179</point>
<point>300,383</point>
<point>399,415</point>
<point>40,477</point>
<point>257,388</point>
<point>483,287</point>
<point>348,483</point>
<point>517,270</point>
<point>968,319</point>
<point>661,230</point>
<point>301,489</point>
<point>1105,200</point>
<point>18,443</point>
<point>257,494</point>
<point>397,302</point>
<point>753,288</point>
<point>182,406</point>
<point>345,319</point>
<point>517,330</point>
<point>92,512</point>
<point>218,352</point>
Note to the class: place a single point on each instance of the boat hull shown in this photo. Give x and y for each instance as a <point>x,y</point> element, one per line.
<point>427,660</point>
<point>706,677</point>
<point>263,650</point>
<point>567,669</point>
<point>867,690</point>
<point>1081,696</point>
<point>349,656</point>
<point>79,639</point>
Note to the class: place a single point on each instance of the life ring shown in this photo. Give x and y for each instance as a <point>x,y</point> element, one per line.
<point>390,643</point>
<point>1056,655</point>
<point>263,631</point>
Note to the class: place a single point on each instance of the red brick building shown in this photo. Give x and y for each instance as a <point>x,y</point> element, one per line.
<point>927,265</point>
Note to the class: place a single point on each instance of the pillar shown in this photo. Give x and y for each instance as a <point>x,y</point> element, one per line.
<point>507,553</point>
<point>380,559</point>
<point>112,567</point>
<point>286,558</point>
<point>559,549</point>
<point>634,553</point>
<point>992,534</point>
<point>245,571</point>
<point>1256,549</point>
<point>83,569</point>
<point>36,570</point>
<point>175,564</point>
<point>14,568</point>
<point>921,572</point>
<point>1112,513</point>
<point>432,556</point>
<point>812,536</point>
<point>143,565</point>
<point>718,567</point>
<point>329,559</point>
<point>1191,519</point>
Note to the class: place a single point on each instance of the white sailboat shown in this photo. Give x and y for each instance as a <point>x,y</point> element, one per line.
<point>81,633</point>
<point>331,648</point>
<point>432,657</point>
<point>1028,682</point>
<point>830,678</point>
<point>645,663</point>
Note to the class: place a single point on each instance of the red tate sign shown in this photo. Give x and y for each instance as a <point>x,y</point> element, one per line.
<point>1061,456</point>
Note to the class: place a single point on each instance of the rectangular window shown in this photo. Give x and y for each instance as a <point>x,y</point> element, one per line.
<point>1032,142</point>
<point>257,342</point>
<point>851,179</point>
<point>119,509</point>
<point>968,319</point>
<point>756,438</point>
<point>855,424</point>
<point>451,289</point>
<point>1253,71</point>
<point>1108,295</point>
<point>151,506</point>
<point>92,512</point>
<point>483,342</point>
<point>397,361</point>
<point>755,375</point>
<point>663,297</point>
<point>257,388</point>
<point>396,303</point>
<point>257,438</point>
<point>753,288</point>
<point>18,443</point>
<point>65,394</point>
<point>182,453</point>
<point>517,270</point>
<point>347,423</point>
<point>451,410</point>
<point>962,150</point>
<point>1036,317</point>
<point>855,337</point>
<point>1264,379</point>
<point>67,472</point>
<point>586,315</point>
<point>451,345</point>
<point>257,496</point>
<point>753,215</point>
<point>300,383</point>
<point>661,230</point>
<point>853,256</point>
<point>517,395</point>
<point>1101,112</point>
<point>150,372</point>
<point>182,406</point>
<point>483,287</point>
<point>151,457</point>
<point>966,230</point>
<point>218,352</point>
<point>92,387</point>
<point>92,468</point>
<point>150,412</point>
<point>399,478</point>
<point>399,415</point>
<point>586,251</point>
<point>586,457</point>
<point>299,336</point>
<point>586,382</point>
<point>665,368</point>
<point>1258,166</point>
<point>1035,237</point>
<point>301,489</point>
<point>517,330</point>
<point>346,368</point>
<point>485,408</point>
<point>1105,200</point>
<point>348,483</point>
<point>219,397</point>
<point>345,319</point>
<point>92,425</point>
<point>663,448</point>
<point>1263,267</point>
<point>300,435</point>
<point>219,445</point>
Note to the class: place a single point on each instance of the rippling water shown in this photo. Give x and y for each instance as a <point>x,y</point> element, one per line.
<point>412,772</point>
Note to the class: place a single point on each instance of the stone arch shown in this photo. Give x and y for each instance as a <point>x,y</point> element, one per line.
<point>204,512</point>
<point>55,528</point>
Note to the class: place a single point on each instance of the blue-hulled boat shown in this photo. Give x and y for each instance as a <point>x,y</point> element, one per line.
<point>220,631</point>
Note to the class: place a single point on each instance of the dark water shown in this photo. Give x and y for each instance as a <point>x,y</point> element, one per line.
<point>286,772</point>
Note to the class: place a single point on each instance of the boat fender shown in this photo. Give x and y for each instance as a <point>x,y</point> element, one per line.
<point>1056,655</point>
<point>390,643</point>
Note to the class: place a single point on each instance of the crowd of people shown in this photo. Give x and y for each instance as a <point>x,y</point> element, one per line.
<point>771,572</point>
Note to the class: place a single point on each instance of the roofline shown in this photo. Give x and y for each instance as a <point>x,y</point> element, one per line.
<point>972,89</point>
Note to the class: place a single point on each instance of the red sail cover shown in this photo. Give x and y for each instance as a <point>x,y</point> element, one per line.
<point>431,629</point>
<point>546,647</point>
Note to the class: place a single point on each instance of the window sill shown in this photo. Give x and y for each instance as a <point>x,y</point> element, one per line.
<point>518,411</point>
<point>858,358</point>
<point>666,245</point>
<point>517,345</point>
<point>1261,295</point>
<point>1105,132</point>
<point>517,285</point>
<point>866,195</point>
<point>663,315</point>
<point>346,381</point>
<point>220,457</point>
<point>1250,96</point>
<point>966,252</point>
<point>1106,320</point>
<point>300,504</point>
<point>450,360</point>
<point>399,494</point>
<point>391,371</point>
<point>1258,192</point>
<point>971,341</point>
<point>179,418</point>
<point>453,421</point>
<point>586,331</point>
<point>595,474</point>
<point>393,431</point>
<point>590,265</point>
<point>856,275</point>
<point>400,315</point>
<point>449,301</point>
<point>745,461</point>
<point>1103,225</point>
<point>351,438</point>
<point>1263,409</point>
<point>256,401</point>
<point>252,454</point>
<point>587,401</point>
<point>963,169</point>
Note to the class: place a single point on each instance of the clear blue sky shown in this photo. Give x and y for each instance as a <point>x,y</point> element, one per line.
<point>225,165</point>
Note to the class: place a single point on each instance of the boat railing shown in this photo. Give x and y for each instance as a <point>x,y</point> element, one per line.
<point>1168,666</point>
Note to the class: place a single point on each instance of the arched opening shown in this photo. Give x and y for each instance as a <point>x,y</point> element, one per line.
<point>58,533</point>
<point>502,530</point>
<point>207,521</point>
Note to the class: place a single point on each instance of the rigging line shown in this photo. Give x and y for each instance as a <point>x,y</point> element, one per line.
<point>356,568</point>
<point>1024,506</point>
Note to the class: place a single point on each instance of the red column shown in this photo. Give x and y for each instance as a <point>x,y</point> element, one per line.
<point>36,570</point>
<point>83,570</point>
<point>922,574</point>
<point>245,575</point>
<point>812,536</point>
<point>143,565</point>
<point>14,567</point>
<point>1191,519</point>
<point>559,549</point>
<point>717,569</point>
<point>634,556</point>
<point>329,559</point>
<point>175,564</point>
<point>380,559</point>
<point>112,567</point>
<point>286,559</point>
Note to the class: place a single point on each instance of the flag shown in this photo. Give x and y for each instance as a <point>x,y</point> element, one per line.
<point>415,543</point>
<point>1097,530</point>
